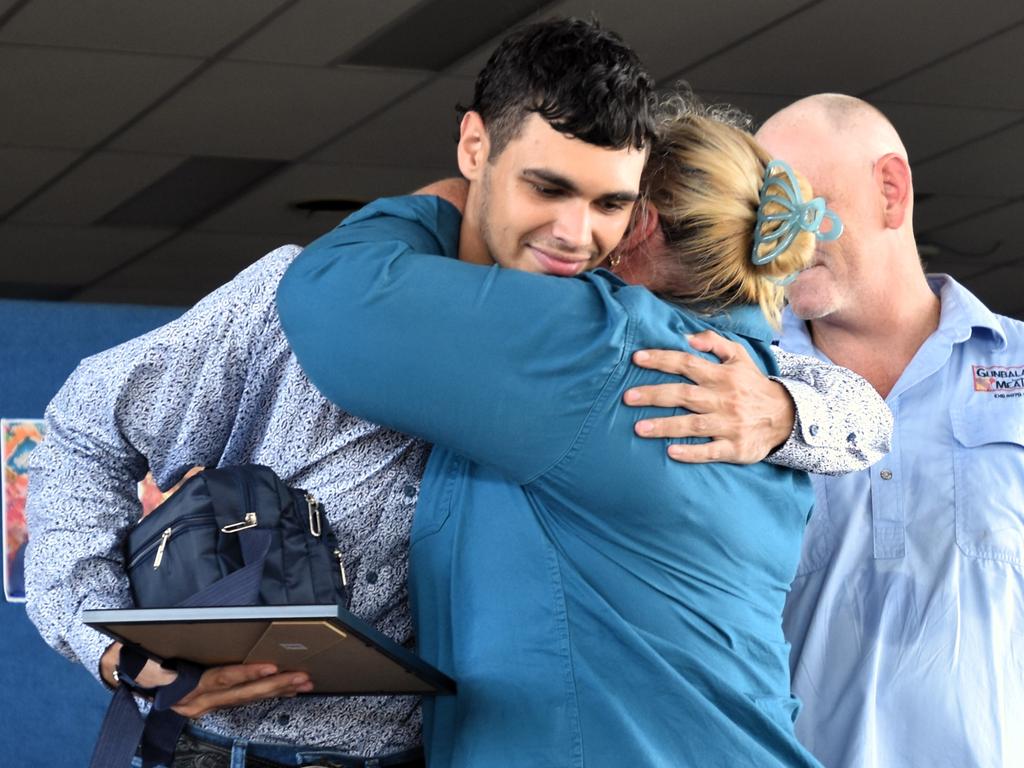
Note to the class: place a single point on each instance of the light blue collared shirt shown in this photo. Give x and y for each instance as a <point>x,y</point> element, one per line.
<point>907,613</point>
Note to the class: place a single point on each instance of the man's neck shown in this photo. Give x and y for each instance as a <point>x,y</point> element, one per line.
<point>472,246</point>
<point>879,339</point>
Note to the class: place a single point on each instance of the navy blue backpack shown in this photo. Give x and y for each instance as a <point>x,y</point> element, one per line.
<point>228,536</point>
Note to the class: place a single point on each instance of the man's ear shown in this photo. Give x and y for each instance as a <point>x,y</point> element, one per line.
<point>892,175</point>
<point>474,146</point>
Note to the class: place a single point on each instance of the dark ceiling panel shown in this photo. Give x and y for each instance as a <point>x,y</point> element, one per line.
<point>439,33</point>
<point>36,291</point>
<point>197,187</point>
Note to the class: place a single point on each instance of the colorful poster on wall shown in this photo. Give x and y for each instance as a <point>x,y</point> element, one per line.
<point>19,437</point>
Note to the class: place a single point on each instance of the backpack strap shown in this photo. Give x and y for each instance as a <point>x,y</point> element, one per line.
<point>124,728</point>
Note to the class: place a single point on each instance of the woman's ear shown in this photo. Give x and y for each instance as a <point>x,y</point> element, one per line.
<point>645,222</point>
<point>635,258</point>
<point>474,146</point>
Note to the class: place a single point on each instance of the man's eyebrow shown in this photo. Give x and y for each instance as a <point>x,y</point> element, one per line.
<point>557,180</point>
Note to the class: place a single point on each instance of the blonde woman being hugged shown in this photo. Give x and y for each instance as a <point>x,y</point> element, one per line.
<point>598,603</point>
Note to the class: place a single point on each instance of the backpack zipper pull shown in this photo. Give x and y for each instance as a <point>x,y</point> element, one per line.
<point>341,567</point>
<point>164,538</point>
<point>249,521</point>
<point>314,515</point>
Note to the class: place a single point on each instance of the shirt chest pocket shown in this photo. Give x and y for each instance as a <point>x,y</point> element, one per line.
<point>988,461</point>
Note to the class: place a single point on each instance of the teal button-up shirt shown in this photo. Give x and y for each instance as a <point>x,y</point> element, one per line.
<point>597,603</point>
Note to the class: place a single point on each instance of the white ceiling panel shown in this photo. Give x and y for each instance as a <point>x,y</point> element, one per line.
<point>96,187</point>
<point>993,166</point>
<point>293,110</point>
<point>420,130</point>
<point>22,171</point>
<point>67,255</point>
<point>185,27</point>
<point>316,32</point>
<point>976,73</point>
<point>269,207</point>
<point>183,270</point>
<point>72,99</point>
<point>850,45</point>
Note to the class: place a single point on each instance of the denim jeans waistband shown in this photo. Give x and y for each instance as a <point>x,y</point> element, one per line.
<point>298,755</point>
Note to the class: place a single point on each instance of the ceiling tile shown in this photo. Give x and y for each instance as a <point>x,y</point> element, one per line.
<point>928,130</point>
<point>850,46</point>
<point>71,99</point>
<point>984,252</point>
<point>269,208</point>
<point>22,171</point>
<point>316,32</point>
<point>185,27</point>
<point>191,191</point>
<point>683,34</point>
<point>996,231</point>
<point>67,255</point>
<point>418,131</point>
<point>974,78</point>
<point>291,110</point>
<point>183,270</point>
<point>992,167</point>
<point>437,33</point>
<point>1000,290</point>
<point>933,211</point>
<point>95,187</point>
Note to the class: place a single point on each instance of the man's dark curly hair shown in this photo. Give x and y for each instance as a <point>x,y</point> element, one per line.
<point>582,79</point>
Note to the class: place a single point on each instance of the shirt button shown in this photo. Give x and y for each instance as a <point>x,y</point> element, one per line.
<point>813,429</point>
<point>409,490</point>
<point>885,474</point>
<point>371,577</point>
<point>283,719</point>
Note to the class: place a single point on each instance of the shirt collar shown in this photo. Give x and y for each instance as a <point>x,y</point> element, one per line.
<point>962,312</point>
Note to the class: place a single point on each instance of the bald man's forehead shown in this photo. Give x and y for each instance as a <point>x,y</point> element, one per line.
<point>850,125</point>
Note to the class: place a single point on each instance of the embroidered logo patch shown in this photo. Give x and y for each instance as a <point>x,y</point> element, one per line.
<point>998,378</point>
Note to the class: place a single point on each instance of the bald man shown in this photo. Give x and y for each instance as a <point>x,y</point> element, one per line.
<point>907,614</point>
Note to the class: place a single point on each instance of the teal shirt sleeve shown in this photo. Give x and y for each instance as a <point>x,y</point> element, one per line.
<point>392,328</point>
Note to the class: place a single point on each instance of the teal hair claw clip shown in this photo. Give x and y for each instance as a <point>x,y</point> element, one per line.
<point>781,187</point>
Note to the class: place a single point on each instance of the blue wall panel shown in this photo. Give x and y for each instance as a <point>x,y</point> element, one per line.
<point>50,708</point>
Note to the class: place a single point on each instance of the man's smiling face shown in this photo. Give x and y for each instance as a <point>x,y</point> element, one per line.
<point>552,204</point>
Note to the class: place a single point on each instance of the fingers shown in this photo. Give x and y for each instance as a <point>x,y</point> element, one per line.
<point>691,425</point>
<point>232,686</point>
<point>688,396</point>
<point>704,453</point>
<point>673,361</point>
<point>725,350</point>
